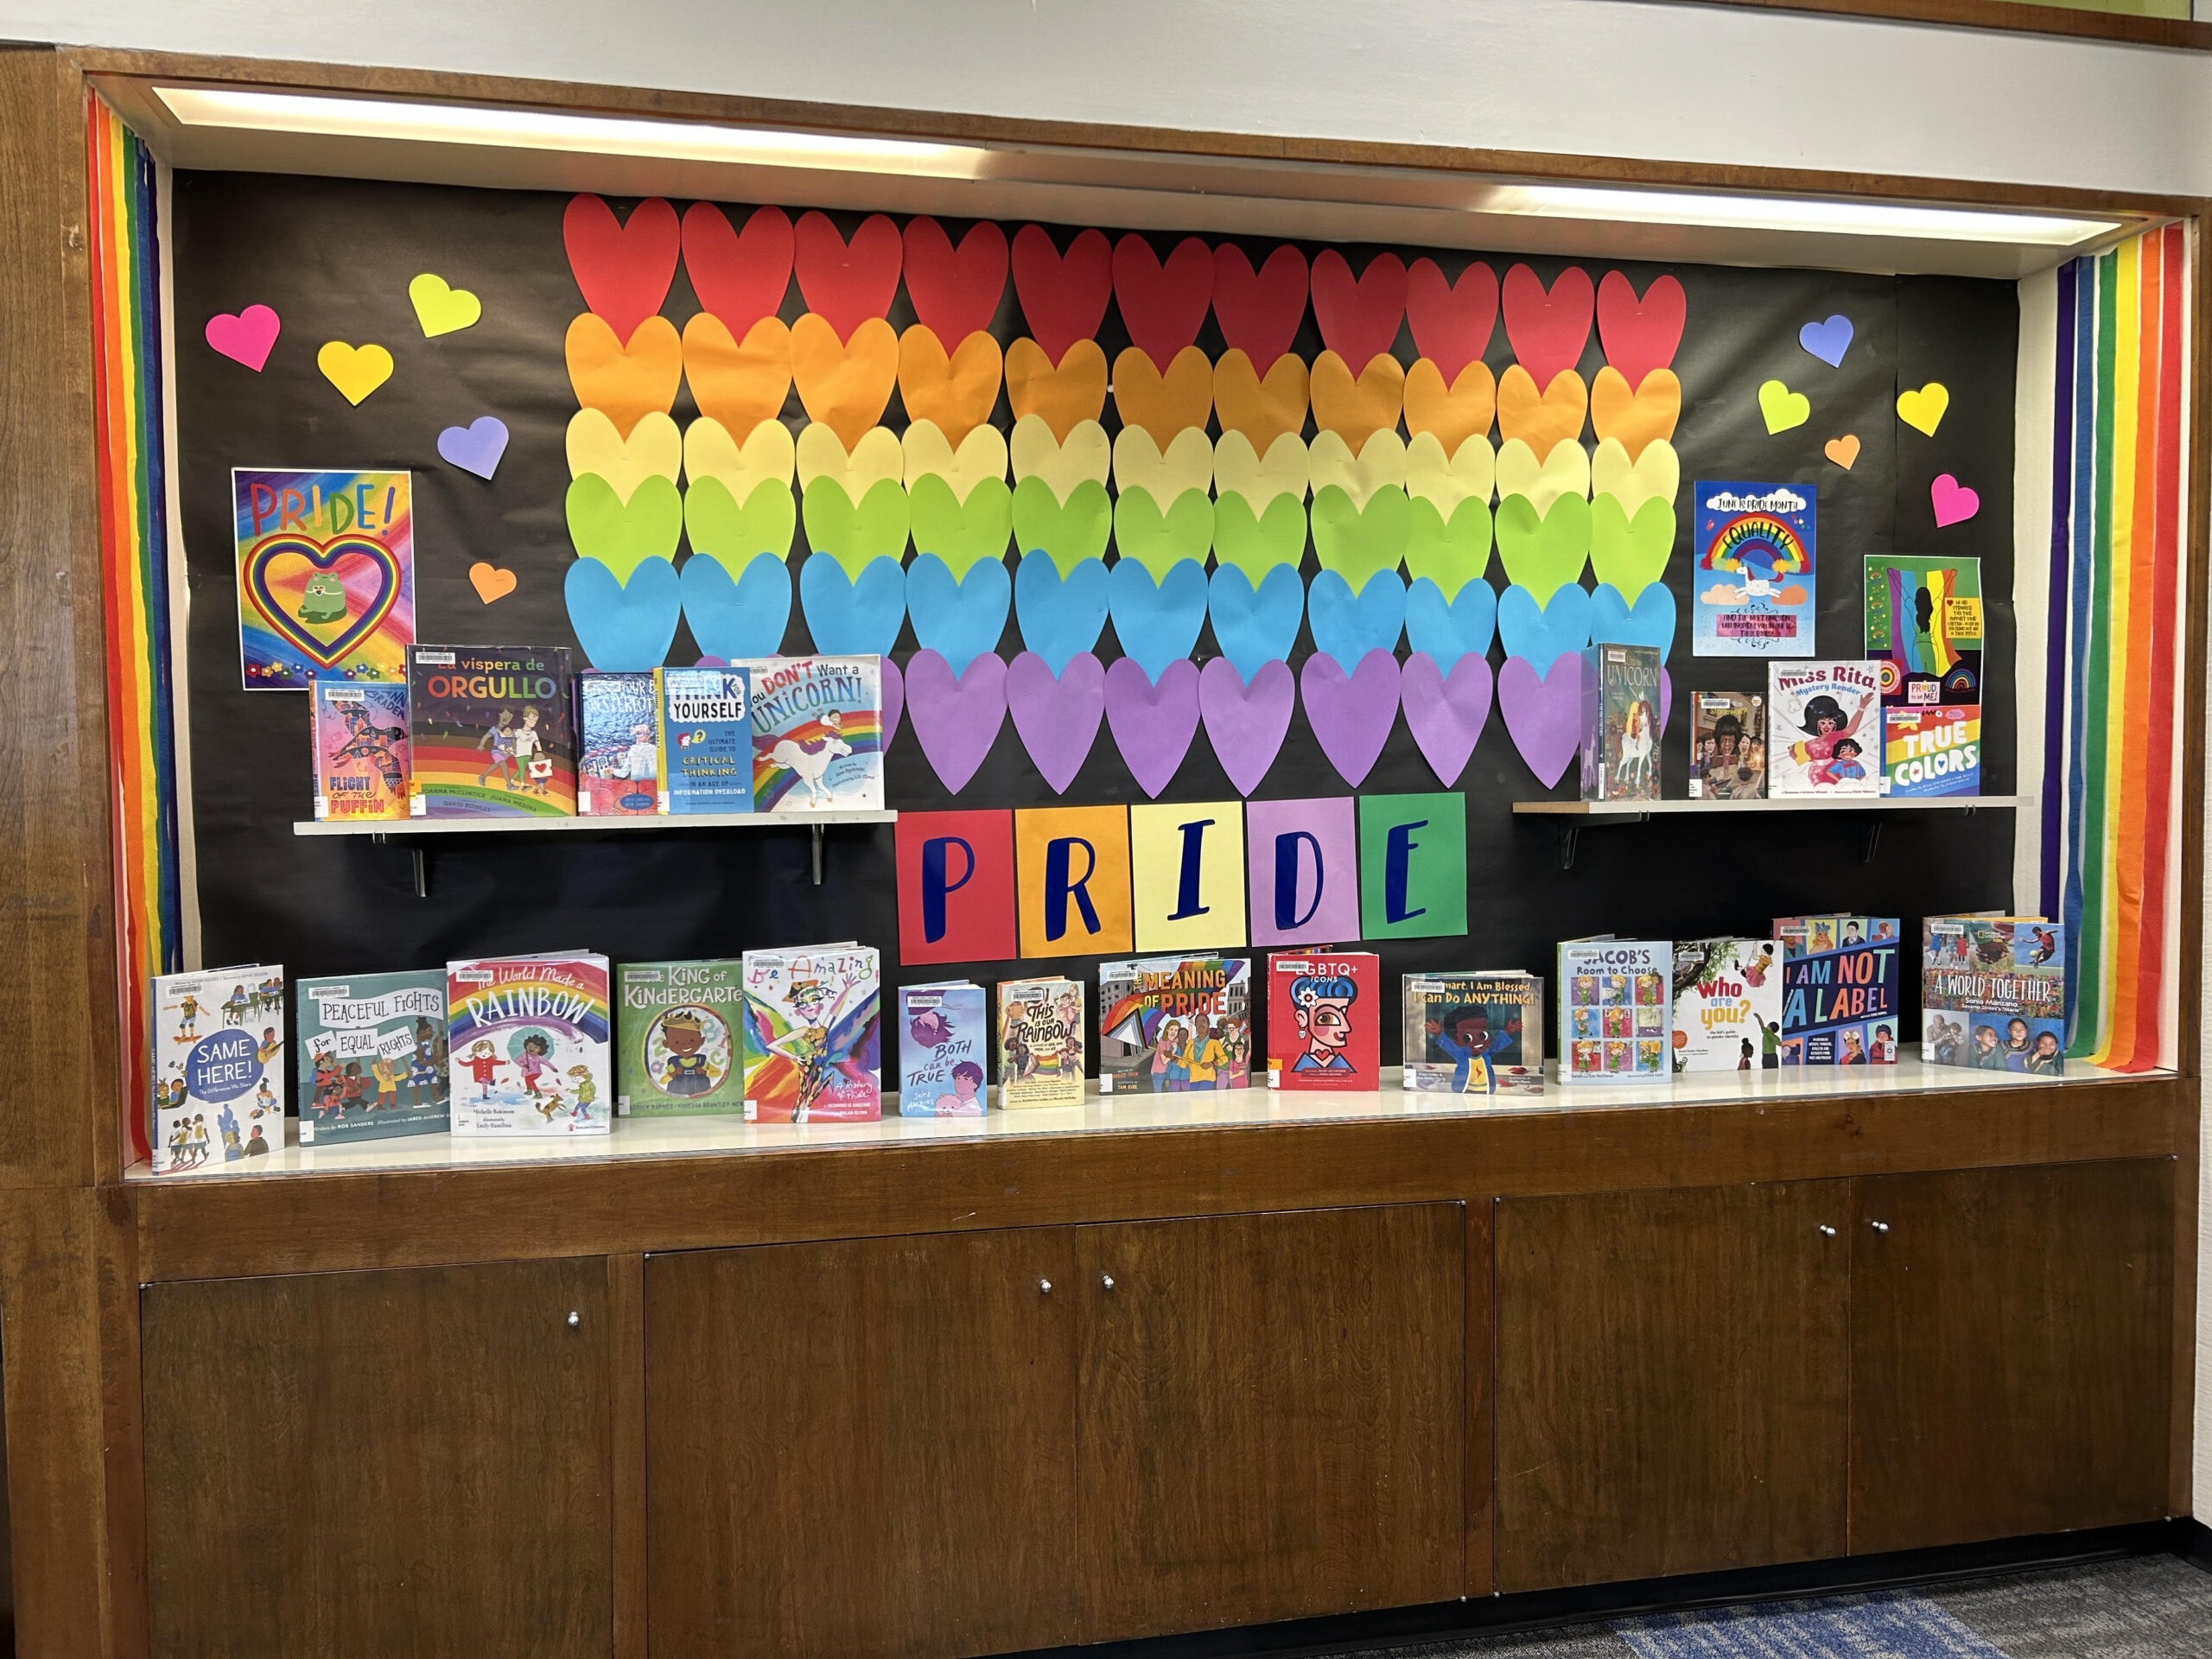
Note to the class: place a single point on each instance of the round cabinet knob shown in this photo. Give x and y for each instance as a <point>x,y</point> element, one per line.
<point>1827,1230</point>
<point>1879,1226</point>
<point>574,1319</point>
<point>1107,1280</point>
<point>1044,1286</point>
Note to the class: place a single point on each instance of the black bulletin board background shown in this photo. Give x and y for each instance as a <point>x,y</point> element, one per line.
<point>334,258</point>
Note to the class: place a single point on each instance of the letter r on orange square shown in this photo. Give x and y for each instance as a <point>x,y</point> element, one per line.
<point>1072,866</point>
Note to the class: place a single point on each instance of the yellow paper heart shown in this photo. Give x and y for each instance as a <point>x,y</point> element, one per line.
<point>1543,419</point>
<point>1163,405</point>
<point>1263,408</point>
<point>356,370</point>
<point>1469,473</point>
<point>1655,473</point>
<point>768,453</point>
<point>877,456</point>
<point>1781,408</point>
<point>955,393</point>
<point>1062,395</point>
<point>1381,460</point>
<point>1455,413</point>
<point>982,454</point>
<point>1085,456</point>
<point>1639,418</point>
<point>626,380</point>
<point>1139,464</point>
<point>1260,479</point>
<point>1565,471</point>
<point>441,308</point>
<point>1353,409</point>
<point>653,449</point>
<point>1922,410</point>
<point>844,383</point>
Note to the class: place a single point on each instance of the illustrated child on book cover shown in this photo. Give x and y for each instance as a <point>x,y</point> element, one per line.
<point>618,751</point>
<point>1828,729</point>
<point>218,1087</point>
<point>1727,746</point>
<point>1041,1043</point>
<point>817,734</point>
<point>1169,1024</point>
<point>528,1038</point>
<point>943,1046</point>
<point>812,1035</point>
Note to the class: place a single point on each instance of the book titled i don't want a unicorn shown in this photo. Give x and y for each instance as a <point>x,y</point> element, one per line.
<point>817,734</point>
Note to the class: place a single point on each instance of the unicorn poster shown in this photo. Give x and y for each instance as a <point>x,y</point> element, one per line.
<point>1754,571</point>
<point>817,734</point>
<point>326,566</point>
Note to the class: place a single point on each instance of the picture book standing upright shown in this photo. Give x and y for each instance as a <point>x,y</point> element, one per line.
<point>1728,745</point>
<point>1754,579</point>
<point>219,1067</point>
<point>817,734</point>
<point>1826,729</point>
<point>1614,1012</point>
<point>1474,1033</point>
<point>1170,1024</point>
<point>1932,751</point>
<point>681,1027</point>
<point>706,739</point>
<point>492,733</point>
<point>618,745</point>
<point>1839,989</point>
<point>528,1039</point>
<point>372,1056</point>
<point>1324,1013</point>
<point>813,1037</point>
<point>1041,1043</point>
<point>1992,993</point>
<point>1727,1005</point>
<point>944,1049</point>
<point>1923,629</point>
<point>1620,724</point>
<point>360,733</point>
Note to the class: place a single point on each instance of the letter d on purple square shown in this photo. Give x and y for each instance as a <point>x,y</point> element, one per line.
<point>1305,871</point>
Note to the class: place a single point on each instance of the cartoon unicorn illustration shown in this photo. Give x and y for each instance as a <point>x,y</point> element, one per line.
<point>1636,745</point>
<point>810,761</point>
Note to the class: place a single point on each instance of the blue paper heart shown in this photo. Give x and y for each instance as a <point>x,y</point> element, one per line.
<point>1253,628</point>
<point>959,620</point>
<point>1448,629</point>
<point>1158,622</point>
<point>623,628</point>
<point>1060,619</point>
<point>1346,628</point>
<point>745,618</point>
<point>1650,621</point>
<point>1539,633</point>
<point>853,617</point>
<point>1827,340</point>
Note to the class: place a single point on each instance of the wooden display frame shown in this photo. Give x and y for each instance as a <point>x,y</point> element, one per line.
<point>76,1244</point>
<point>2015,17</point>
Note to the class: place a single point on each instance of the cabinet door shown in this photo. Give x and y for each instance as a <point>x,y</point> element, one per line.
<point>862,1448</point>
<point>2011,1352</point>
<point>370,1464</point>
<point>1273,1416</point>
<point>1671,1381</point>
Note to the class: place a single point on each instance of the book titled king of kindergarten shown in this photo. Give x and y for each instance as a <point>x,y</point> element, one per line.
<point>680,1027</point>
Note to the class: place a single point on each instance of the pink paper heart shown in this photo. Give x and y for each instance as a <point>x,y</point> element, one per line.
<point>955,717</point>
<point>1351,715</point>
<point>1246,724</point>
<point>1952,501</point>
<point>1445,713</point>
<point>246,336</point>
<point>894,701</point>
<point>1153,725</point>
<point>1543,712</point>
<point>1058,719</point>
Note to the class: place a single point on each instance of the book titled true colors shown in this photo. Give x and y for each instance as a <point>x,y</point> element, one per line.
<point>491,732</point>
<point>1324,1013</point>
<point>527,1038</point>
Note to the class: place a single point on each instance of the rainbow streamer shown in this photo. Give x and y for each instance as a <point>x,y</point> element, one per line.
<point>133,563</point>
<point>2109,759</point>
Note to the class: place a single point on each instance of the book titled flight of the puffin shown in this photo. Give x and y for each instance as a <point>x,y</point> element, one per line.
<point>1324,1013</point>
<point>1041,1043</point>
<point>945,1050</point>
<point>218,1066</point>
<point>1839,989</point>
<point>528,1041</point>
<point>360,749</point>
<point>1170,1024</point>
<point>813,1036</point>
<point>372,1056</point>
<point>1474,1033</point>
<point>706,739</point>
<point>680,1028</point>
<point>817,734</point>
<point>1614,1012</point>
<point>491,732</point>
<point>1826,729</point>
<point>1727,1005</point>
<point>1992,993</point>
<point>617,744</point>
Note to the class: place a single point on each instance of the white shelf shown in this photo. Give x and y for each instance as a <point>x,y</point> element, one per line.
<point>1789,804</point>
<point>490,826</point>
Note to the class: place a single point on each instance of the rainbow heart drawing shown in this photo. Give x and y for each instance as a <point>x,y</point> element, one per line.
<point>293,584</point>
<point>325,567</point>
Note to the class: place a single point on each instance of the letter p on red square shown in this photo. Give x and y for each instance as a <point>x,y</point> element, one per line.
<point>956,887</point>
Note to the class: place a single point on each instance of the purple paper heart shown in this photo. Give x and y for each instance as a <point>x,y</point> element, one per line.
<point>1543,712</point>
<point>1057,718</point>
<point>1152,724</point>
<point>1351,717</point>
<point>477,447</point>
<point>1666,699</point>
<point>1445,713</point>
<point>1246,724</point>
<point>956,716</point>
<point>894,701</point>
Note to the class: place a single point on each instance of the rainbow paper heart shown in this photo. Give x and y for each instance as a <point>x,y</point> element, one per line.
<point>278,570</point>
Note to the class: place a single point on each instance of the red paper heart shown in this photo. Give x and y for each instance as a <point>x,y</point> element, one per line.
<point>1063,294</point>
<point>1258,311</point>
<point>1639,335</point>
<point>624,270</point>
<point>739,276</point>
<point>1161,305</point>
<point>1452,322</point>
<point>955,294</point>
<point>845,285</point>
<point>1359,319</point>
<point>1548,331</point>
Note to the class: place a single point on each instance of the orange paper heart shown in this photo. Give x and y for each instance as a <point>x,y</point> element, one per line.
<point>739,386</point>
<point>1541,420</point>
<point>1456,414</point>
<point>1356,410</point>
<point>1261,409</point>
<point>490,581</point>
<point>1638,417</point>
<point>624,383</point>
<point>844,383</point>
<point>1163,405</point>
<point>1843,450</point>
<point>1062,398</point>
<point>957,393</point>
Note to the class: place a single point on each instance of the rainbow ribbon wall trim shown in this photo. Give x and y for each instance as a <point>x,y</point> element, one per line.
<point>2110,760</point>
<point>133,563</point>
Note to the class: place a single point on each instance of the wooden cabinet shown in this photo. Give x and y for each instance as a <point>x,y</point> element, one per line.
<point>1273,1413</point>
<point>2011,1343</point>
<point>1671,1381</point>
<point>370,1464</point>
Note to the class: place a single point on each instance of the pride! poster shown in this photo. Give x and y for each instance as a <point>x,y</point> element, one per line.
<point>326,577</point>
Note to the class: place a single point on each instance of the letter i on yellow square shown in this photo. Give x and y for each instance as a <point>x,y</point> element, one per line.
<point>1186,874</point>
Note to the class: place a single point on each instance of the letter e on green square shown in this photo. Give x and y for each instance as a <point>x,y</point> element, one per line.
<point>1412,866</point>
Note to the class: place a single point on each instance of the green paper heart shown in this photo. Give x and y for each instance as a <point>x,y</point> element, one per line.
<point>623,537</point>
<point>1357,543</point>
<point>1630,553</point>
<point>1450,554</point>
<point>1068,534</point>
<point>1158,541</point>
<point>1783,408</point>
<point>1544,554</point>
<point>733,535</point>
<point>963,534</point>
<point>1256,546</point>
<point>856,537</point>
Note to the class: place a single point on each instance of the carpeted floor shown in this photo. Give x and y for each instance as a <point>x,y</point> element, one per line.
<point>2145,1607</point>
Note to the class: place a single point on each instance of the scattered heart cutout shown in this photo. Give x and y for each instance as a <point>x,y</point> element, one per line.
<point>1952,501</point>
<point>1543,419</point>
<point>1063,294</point>
<point>1163,405</point>
<point>490,581</point>
<point>1782,409</point>
<point>623,270</point>
<point>1640,336</point>
<point>1548,328</point>
<point>1636,420</point>
<point>1185,464</point>
<point>1262,408</point>
<point>740,276</point>
<point>1657,472</point>
<point>847,284</point>
<point>844,383</point>
<point>625,383</point>
<point>1827,340</point>
<point>1062,395</point>
<point>654,447</point>
<point>766,456</point>
<point>1355,408</point>
<point>1359,317</point>
<point>739,385</point>
<point>441,308</point>
<point>1451,322</point>
<point>877,458</point>
<point>956,292</point>
<point>1455,413</point>
<point>956,393</point>
<point>1564,471</point>
<point>1922,410</point>
<point>1060,463</point>
<point>980,457</point>
<point>1469,473</point>
<point>1285,470</point>
<point>246,336</point>
<point>477,447</point>
<point>1258,311</point>
<point>1844,451</point>
<point>1381,462</point>
<point>1161,305</point>
<point>356,370</point>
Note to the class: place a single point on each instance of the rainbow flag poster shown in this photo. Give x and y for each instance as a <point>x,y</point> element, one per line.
<point>326,577</point>
<point>1754,573</point>
<point>1923,629</point>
